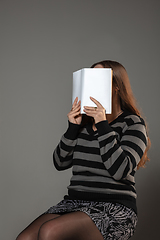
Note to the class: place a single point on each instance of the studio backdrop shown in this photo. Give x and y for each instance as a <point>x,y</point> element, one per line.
<point>42,43</point>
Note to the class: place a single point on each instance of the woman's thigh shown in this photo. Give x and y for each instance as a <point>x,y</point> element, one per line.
<point>73,226</point>
<point>31,232</point>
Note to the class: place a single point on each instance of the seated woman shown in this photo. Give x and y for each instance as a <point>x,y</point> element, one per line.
<point>104,151</point>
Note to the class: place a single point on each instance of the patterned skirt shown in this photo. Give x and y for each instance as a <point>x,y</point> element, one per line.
<point>113,220</point>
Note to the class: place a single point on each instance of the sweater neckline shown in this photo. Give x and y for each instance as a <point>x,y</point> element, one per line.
<point>115,120</point>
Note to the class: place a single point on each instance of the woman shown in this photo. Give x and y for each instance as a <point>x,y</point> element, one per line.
<point>105,150</point>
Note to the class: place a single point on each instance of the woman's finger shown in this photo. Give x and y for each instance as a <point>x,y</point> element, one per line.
<point>75,109</point>
<point>90,108</point>
<point>90,112</point>
<point>75,102</point>
<point>74,113</point>
<point>76,106</point>
<point>96,102</point>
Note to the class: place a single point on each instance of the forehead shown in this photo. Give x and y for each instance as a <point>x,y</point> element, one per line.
<point>98,66</point>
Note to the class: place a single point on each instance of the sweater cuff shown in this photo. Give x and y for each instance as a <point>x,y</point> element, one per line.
<point>103,127</point>
<point>72,131</point>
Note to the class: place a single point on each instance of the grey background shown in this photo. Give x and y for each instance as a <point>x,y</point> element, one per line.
<point>41,44</point>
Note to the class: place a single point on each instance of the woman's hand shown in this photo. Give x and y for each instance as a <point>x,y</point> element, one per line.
<point>75,116</point>
<point>98,113</point>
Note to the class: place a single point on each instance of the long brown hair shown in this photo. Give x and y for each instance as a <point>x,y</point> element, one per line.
<point>127,100</point>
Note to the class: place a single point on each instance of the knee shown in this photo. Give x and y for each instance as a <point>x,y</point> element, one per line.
<point>49,231</point>
<point>25,236</point>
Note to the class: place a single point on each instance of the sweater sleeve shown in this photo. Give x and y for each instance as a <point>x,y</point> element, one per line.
<point>63,154</point>
<point>120,158</point>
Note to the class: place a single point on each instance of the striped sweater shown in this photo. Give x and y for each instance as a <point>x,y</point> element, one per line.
<point>104,161</point>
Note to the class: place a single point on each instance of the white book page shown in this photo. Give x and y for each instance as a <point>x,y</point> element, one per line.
<point>97,83</point>
<point>94,82</point>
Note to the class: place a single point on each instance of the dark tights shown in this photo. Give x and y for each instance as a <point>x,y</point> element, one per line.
<point>70,226</point>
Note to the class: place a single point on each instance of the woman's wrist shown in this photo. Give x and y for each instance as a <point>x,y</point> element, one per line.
<point>72,130</point>
<point>99,119</point>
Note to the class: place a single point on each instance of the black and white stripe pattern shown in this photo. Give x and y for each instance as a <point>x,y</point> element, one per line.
<point>104,162</point>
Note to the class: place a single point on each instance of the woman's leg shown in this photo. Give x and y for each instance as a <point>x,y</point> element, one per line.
<point>71,226</point>
<point>31,232</point>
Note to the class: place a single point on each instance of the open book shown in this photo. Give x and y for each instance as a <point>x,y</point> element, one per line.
<point>93,82</point>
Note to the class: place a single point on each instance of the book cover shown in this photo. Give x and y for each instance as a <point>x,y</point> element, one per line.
<point>93,82</point>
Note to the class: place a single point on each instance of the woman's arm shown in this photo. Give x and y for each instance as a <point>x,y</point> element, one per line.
<point>63,154</point>
<point>122,157</point>
<point>119,158</point>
